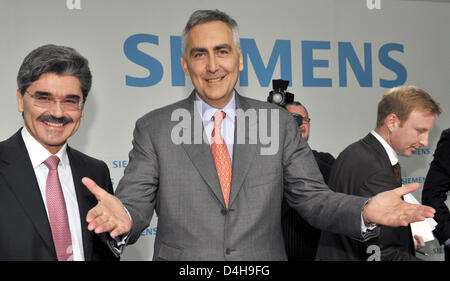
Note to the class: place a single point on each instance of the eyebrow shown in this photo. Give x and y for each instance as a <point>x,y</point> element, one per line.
<point>47,94</point>
<point>41,93</point>
<point>216,48</point>
<point>223,46</point>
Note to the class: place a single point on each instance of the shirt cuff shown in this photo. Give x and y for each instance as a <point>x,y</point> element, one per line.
<point>447,242</point>
<point>121,240</point>
<point>364,228</point>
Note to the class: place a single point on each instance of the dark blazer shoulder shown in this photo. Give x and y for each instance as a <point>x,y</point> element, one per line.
<point>445,133</point>
<point>370,152</point>
<point>89,160</point>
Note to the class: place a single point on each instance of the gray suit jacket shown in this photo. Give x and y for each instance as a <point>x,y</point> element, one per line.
<point>180,183</point>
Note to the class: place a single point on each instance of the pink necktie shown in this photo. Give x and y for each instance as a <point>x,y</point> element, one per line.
<point>221,156</point>
<point>57,212</point>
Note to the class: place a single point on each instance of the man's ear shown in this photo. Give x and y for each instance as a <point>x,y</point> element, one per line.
<point>19,101</point>
<point>241,61</point>
<point>391,121</point>
<point>184,65</point>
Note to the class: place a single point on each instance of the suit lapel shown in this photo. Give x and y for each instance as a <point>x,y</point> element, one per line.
<point>378,147</point>
<point>84,199</point>
<point>243,153</point>
<point>19,174</point>
<point>200,154</point>
<point>372,141</point>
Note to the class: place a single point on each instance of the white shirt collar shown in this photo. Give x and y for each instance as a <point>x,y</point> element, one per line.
<point>393,157</point>
<point>38,154</point>
<point>208,111</point>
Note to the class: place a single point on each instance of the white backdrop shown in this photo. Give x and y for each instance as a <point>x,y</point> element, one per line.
<point>313,43</point>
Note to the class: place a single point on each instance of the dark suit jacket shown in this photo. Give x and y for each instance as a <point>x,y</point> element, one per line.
<point>300,238</point>
<point>364,169</point>
<point>25,232</point>
<point>436,186</point>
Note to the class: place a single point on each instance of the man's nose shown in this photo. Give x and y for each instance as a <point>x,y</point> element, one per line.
<point>212,65</point>
<point>424,140</point>
<point>56,109</point>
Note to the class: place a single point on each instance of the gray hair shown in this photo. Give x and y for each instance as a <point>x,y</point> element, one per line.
<point>204,16</point>
<point>54,59</point>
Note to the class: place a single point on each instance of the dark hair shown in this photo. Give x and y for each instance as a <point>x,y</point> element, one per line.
<point>54,59</point>
<point>297,103</point>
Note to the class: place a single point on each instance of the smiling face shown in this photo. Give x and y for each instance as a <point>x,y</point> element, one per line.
<point>51,126</point>
<point>213,62</point>
<point>412,134</point>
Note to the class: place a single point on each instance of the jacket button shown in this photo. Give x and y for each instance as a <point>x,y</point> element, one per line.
<point>228,251</point>
<point>224,212</point>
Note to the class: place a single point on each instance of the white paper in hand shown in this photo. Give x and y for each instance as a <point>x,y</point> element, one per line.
<point>423,228</point>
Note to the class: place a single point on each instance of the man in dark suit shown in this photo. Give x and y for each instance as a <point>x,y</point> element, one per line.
<point>300,238</point>
<point>367,167</point>
<point>43,203</point>
<point>436,187</point>
<point>218,197</point>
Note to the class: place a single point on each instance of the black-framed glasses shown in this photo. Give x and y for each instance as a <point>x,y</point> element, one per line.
<point>45,100</point>
<point>300,119</point>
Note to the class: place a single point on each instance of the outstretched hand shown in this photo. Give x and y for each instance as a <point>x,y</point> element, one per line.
<point>108,215</point>
<point>388,208</point>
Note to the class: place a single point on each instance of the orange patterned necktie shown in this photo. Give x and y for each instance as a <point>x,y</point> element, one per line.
<point>221,156</point>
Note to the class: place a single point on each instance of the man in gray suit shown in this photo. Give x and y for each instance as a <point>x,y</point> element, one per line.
<point>204,211</point>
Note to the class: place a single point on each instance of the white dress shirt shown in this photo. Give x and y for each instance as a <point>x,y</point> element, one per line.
<point>227,130</point>
<point>393,157</point>
<point>38,154</point>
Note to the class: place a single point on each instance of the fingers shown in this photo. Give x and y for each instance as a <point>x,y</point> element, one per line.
<point>418,242</point>
<point>100,222</point>
<point>403,190</point>
<point>93,214</point>
<point>117,231</point>
<point>97,191</point>
<point>414,213</point>
<point>108,215</point>
<point>419,212</point>
<point>100,225</point>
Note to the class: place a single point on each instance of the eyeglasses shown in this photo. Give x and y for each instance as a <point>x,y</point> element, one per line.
<point>45,100</point>
<point>306,120</point>
<point>300,119</point>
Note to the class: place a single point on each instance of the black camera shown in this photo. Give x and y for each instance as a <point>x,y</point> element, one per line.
<point>279,95</point>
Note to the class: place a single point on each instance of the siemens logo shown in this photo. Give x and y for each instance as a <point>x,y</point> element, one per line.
<point>315,55</point>
<point>414,179</point>
<point>149,231</point>
<point>422,151</point>
<point>437,251</point>
<point>119,164</point>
